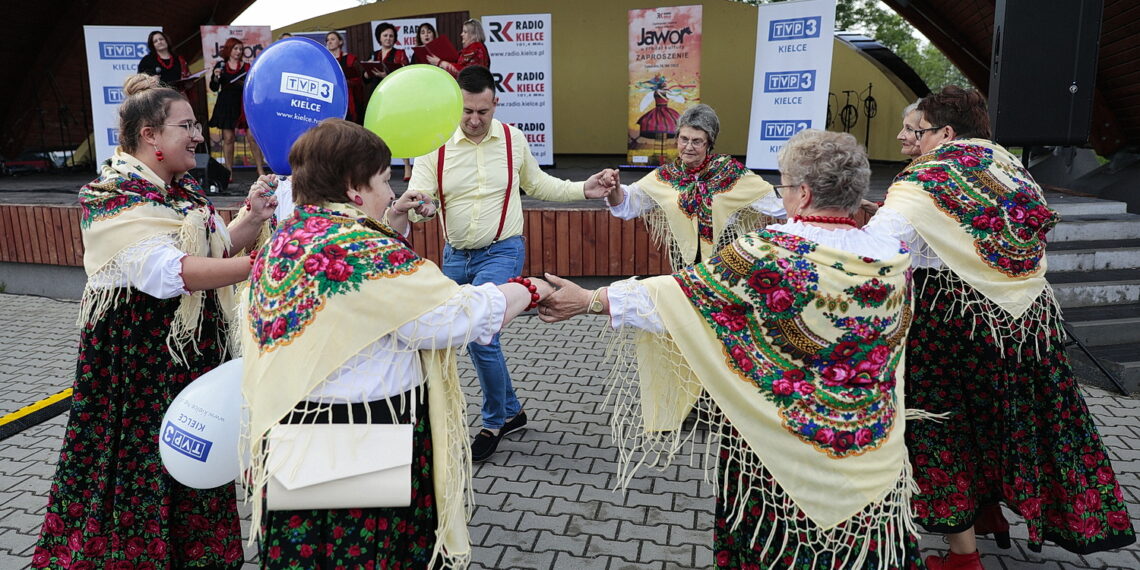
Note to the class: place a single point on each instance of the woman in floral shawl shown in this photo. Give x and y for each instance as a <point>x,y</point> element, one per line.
<point>346,324</point>
<point>155,315</point>
<point>987,349</point>
<point>700,201</point>
<point>791,340</point>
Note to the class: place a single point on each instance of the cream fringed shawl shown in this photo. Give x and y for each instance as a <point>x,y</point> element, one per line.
<point>128,205</point>
<point>985,217</point>
<point>330,283</point>
<point>694,207</point>
<point>799,348</point>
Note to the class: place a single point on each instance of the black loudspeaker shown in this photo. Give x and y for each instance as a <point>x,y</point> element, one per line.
<point>1044,71</point>
<point>210,173</point>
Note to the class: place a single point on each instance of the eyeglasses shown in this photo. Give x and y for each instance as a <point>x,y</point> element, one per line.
<point>192,129</point>
<point>919,132</point>
<point>777,187</point>
<point>697,144</point>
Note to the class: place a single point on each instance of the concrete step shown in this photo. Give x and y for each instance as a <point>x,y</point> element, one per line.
<point>1122,360</point>
<point>1107,325</point>
<point>1087,227</point>
<point>1093,255</point>
<point>1067,205</point>
<point>1096,288</point>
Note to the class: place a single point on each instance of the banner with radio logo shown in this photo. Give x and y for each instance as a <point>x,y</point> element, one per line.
<point>113,54</point>
<point>519,46</point>
<point>664,79</point>
<point>794,41</point>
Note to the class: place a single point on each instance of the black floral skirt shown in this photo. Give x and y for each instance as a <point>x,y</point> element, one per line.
<point>389,538</point>
<point>112,503</point>
<point>1017,431</point>
<point>736,549</point>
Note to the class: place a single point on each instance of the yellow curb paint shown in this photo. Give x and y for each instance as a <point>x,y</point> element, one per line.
<point>34,407</point>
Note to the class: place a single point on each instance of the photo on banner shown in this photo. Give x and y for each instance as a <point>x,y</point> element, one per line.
<point>254,39</point>
<point>794,41</point>
<point>406,30</point>
<point>519,46</point>
<point>664,79</point>
<point>113,54</point>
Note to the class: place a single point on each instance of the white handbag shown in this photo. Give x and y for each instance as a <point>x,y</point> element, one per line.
<point>339,466</point>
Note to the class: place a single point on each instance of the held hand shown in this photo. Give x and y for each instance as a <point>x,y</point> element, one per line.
<point>412,200</point>
<point>565,302</point>
<point>261,200</point>
<point>599,185</point>
<point>433,59</point>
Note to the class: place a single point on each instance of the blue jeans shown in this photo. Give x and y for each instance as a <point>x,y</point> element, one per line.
<point>493,264</point>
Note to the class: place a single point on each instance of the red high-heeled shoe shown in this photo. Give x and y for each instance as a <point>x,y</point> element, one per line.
<point>991,520</point>
<point>955,562</point>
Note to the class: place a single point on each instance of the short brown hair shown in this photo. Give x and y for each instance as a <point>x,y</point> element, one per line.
<point>963,109</point>
<point>332,157</point>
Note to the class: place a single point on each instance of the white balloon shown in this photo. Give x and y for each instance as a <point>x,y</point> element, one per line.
<point>198,440</point>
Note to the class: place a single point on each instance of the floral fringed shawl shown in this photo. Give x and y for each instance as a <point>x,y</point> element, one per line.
<point>329,284</point>
<point>128,205</point>
<point>799,348</point>
<point>973,191</point>
<point>694,206</point>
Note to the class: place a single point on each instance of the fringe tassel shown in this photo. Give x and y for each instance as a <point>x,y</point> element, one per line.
<point>1008,331</point>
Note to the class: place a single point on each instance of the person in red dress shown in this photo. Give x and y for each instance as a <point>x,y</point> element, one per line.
<point>391,56</point>
<point>474,51</point>
<point>424,36</point>
<point>353,73</point>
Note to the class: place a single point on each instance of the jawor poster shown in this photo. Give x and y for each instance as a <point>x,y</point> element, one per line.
<point>664,79</point>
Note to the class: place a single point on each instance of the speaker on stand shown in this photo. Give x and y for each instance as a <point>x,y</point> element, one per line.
<point>210,174</point>
<point>1043,71</point>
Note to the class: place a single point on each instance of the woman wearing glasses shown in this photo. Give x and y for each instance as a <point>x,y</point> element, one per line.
<point>474,51</point>
<point>155,315</point>
<point>700,201</point>
<point>987,349</point>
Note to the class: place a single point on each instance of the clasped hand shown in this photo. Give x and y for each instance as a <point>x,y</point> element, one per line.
<point>567,300</point>
<point>261,200</point>
<point>601,184</point>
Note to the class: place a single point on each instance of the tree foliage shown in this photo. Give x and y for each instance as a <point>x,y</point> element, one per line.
<point>878,21</point>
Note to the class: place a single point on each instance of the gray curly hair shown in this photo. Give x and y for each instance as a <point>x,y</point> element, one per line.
<point>833,165</point>
<point>701,117</point>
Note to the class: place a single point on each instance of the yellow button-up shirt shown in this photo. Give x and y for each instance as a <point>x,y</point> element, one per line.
<point>475,185</point>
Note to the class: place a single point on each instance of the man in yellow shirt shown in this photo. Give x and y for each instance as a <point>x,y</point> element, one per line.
<point>476,178</point>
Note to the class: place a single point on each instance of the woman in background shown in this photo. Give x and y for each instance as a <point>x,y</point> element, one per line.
<point>474,51</point>
<point>425,34</point>
<point>161,60</point>
<point>228,80</point>
<point>353,74</point>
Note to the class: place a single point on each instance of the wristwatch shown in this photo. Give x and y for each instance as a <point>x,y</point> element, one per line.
<point>595,307</point>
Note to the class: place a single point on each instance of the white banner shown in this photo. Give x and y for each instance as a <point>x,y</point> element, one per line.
<point>793,72</point>
<point>519,46</point>
<point>406,30</point>
<point>113,54</point>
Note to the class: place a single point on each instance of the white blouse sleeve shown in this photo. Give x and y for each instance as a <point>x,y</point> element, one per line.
<point>474,313</point>
<point>890,222</point>
<point>636,203</point>
<point>771,205</point>
<point>630,305</point>
<point>153,266</point>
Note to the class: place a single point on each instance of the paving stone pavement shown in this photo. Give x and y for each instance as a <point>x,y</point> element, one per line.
<point>545,499</point>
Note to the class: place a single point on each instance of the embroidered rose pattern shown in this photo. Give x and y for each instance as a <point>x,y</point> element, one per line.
<point>696,190</point>
<point>99,202</point>
<point>315,254</point>
<point>1008,225</point>
<point>838,396</point>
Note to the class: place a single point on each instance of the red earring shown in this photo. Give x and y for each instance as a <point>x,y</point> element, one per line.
<point>158,154</point>
<point>358,200</point>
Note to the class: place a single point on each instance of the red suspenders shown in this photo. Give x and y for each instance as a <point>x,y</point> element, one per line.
<point>507,193</point>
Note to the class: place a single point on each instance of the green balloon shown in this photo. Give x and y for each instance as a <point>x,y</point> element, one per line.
<point>415,110</point>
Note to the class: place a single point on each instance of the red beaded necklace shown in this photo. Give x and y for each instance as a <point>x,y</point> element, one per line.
<point>844,220</point>
<point>163,63</point>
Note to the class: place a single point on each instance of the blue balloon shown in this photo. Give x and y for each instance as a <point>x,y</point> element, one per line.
<point>293,85</point>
